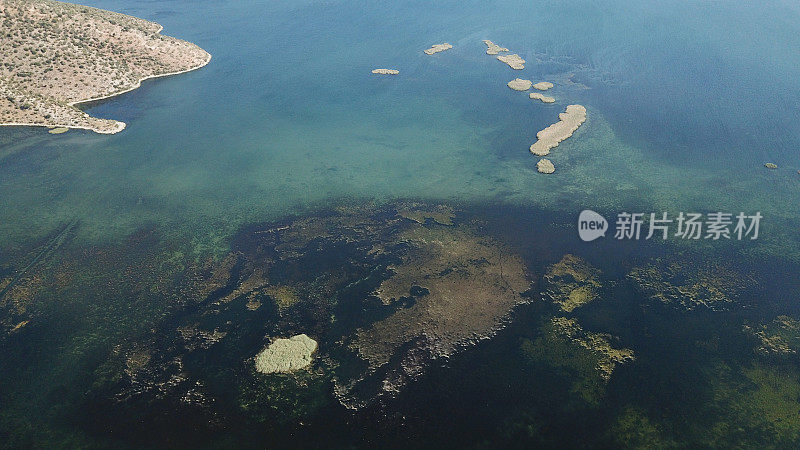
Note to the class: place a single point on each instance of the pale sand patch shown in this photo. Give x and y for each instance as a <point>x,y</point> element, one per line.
<point>286,355</point>
<point>438,48</point>
<point>385,71</point>
<point>545,166</point>
<point>542,97</point>
<point>518,84</point>
<point>551,136</point>
<point>492,48</point>
<point>514,61</point>
<point>58,130</point>
<point>543,85</point>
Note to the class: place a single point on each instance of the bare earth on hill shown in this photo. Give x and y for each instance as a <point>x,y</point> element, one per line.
<point>56,55</point>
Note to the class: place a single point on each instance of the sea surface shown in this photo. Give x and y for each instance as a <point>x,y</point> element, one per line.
<point>686,101</point>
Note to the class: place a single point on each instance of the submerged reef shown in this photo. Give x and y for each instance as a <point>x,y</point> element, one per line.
<point>780,337</point>
<point>286,355</point>
<point>419,213</point>
<point>571,283</point>
<point>518,84</point>
<point>688,284</point>
<point>550,137</point>
<point>492,48</point>
<point>608,357</point>
<point>438,48</point>
<point>464,287</point>
<point>384,291</point>
<point>514,61</point>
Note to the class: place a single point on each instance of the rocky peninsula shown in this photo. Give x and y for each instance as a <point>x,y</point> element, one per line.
<point>58,55</point>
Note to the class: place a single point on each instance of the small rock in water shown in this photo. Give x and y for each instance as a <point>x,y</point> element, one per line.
<point>771,166</point>
<point>540,96</point>
<point>286,355</point>
<point>385,71</point>
<point>514,61</point>
<point>438,48</point>
<point>518,84</point>
<point>492,48</point>
<point>545,166</point>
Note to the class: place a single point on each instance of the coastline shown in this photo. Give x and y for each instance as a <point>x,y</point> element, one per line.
<point>119,125</point>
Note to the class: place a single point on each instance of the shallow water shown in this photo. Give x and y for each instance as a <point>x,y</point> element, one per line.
<point>686,102</point>
<point>682,115</point>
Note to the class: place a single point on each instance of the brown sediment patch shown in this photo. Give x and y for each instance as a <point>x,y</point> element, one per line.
<point>540,96</point>
<point>492,48</point>
<point>543,85</point>
<point>518,84</point>
<point>545,166</point>
<point>83,54</point>
<point>550,137</point>
<point>471,284</point>
<point>514,61</point>
<point>598,343</point>
<point>385,71</point>
<point>438,48</point>
<point>571,283</point>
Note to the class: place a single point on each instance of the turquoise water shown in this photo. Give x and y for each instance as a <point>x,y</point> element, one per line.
<point>686,103</point>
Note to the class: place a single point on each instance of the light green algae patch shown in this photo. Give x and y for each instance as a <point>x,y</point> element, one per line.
<point>571,283</point>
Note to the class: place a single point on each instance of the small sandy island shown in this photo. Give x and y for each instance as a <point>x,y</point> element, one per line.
<point>492,48</point>
<point>545,166</point>
<point>518,84</point>
<point>385,71</point>
<point>56,55</point>
<point>543,85</point>
<point>514,61</point>
<point>438,48</point>
<point>542,97</point>
<point>551,136</point>
<point>286,355</point>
